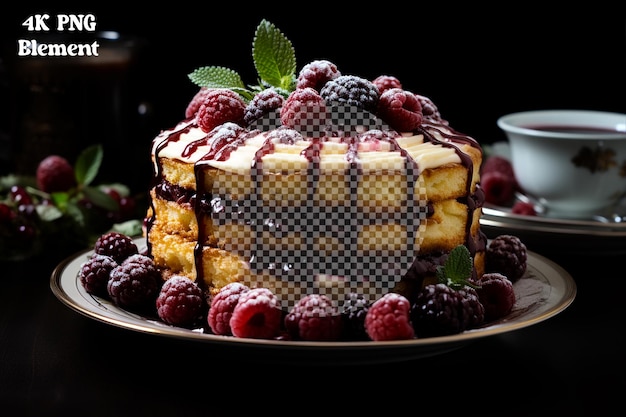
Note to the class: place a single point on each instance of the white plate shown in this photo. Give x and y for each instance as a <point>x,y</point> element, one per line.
<point>545,290</point>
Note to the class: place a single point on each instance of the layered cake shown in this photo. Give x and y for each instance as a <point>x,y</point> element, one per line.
<point>326,183</point>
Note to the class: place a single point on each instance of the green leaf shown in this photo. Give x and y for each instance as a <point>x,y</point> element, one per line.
<point>88,164</point>
<point>48,212</point>
<point>101,199</point>
<point>274,56</point>
<point>457,269</point>
<point>129,227</point>
<point>216,77</point>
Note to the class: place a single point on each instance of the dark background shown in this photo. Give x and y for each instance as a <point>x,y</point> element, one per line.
<point>476,65</point>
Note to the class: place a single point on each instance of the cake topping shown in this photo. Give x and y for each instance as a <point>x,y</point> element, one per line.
<point>317,73</point>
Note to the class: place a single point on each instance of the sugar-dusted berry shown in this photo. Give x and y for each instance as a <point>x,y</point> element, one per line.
<point>180,302</point>
<point>262,104</point>
<point>116,245</point>
<point>94,274</point>
<point>314,317</point>
<point>196,101</point>
<point>222,306</point>
<point>135,284</point>
<point>351,90</point>
<point>389,318</point>
<point>316,74</point>
<point>386,82</point>
<point>400,109</point>
<point>218,107</point>
<point>304,109</point>
<point>430,111</point>
<point>257,315</point>
<point>507,255</point>
<point>354,310</point>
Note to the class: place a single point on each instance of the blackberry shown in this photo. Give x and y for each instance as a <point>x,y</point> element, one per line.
<point>257,315</point>
<point>116,245</point>
<point>354,310</point>
<point>506,254</point>
<point>496,294</point>
<point>351,90</point>
<point>262,104</point>
<point>400,109</point>
<point>314,317</point>
<point>135,284</point>
<point>316,74</point>
<point>94,274</point>
<point>386,82</point>
<point>440,310</point>
<point>222,306</point>
<point>389,318</point>
<point>219,106</point>
<point>180,302</point>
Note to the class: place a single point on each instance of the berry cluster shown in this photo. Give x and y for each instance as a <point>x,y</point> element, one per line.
<point>129,278</point>
<point>318,85</point>
<point>498,181</point>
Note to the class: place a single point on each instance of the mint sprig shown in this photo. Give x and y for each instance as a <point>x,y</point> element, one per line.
<point>457,270</point>
<point>274,59</point>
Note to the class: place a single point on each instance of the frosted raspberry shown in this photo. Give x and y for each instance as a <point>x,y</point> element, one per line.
<point>222,306</point>
<point>499,188</point>
<point>351,90</point>
<point>316,74</point>
<point>314,317</point>
<point>135,284</point>
<point>430,111</point>
<point>180,302</point>
<point>496,294</point>
<point>284,135</point>
<point>257,315</point>
<point>196,101</point>
<point>400,109</point>
<point>116,245</point>
<point>506,254</point>
<point>55,173</point>
<point>219,106</point>
<point>386,82</point>
<point>303,109</point>
<point>94,274</point>
<point>261,104</point>
<point>389,318</point>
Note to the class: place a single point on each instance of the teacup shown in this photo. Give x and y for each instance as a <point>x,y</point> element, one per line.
<point>573,162</point>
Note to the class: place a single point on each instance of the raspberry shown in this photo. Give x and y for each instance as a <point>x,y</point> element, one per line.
<point>400,109</point>
<point>94,274</point>
<point>354,310</point>
<point>222,307</point>
<point>386,82</point>
<point>496,294</point>
<point>284,135</point>
<point>441,310</point>
<point>430,111</point>
<point>196,101</point>
<point>261,104</point>
<point>314,317</point>
<point>506,254</point>
<point>304,107</point>
<point>351,90</point>
<point>257,315</point>
<point>496,163</point>
<point>135,284</point>
<point>180,302</point>
<point>499,188</point>
<point>218,107</point>
<point>54,173</point>
<point>316,74</point>
<point>116,245</point>
<point>524,208</point>
<point>389,318</point>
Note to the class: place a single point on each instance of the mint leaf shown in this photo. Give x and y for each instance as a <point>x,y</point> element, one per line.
<point>101,199</point>
<point>88,164</point>
<point>457,269</point>
<point>217,77</point>
<point>274,56</point>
